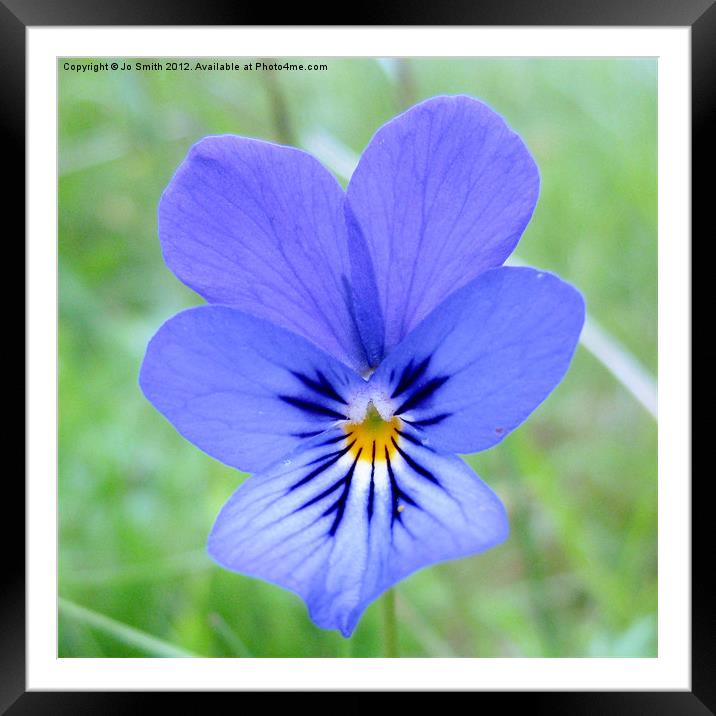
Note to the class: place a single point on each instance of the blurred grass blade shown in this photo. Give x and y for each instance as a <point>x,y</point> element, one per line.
<point>603,346</point>
<point>339,158</point>
<point>181,564</point>
<point>422,631</point>
<point>126,634</point>
<point>621,363</point>
<point>229,636</point>
<point>389,66</point>
<point>103,148</point>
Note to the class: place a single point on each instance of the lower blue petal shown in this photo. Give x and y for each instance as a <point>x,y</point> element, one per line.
<point>339,528</point>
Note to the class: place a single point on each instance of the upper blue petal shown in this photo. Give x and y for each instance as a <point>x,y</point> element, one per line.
<point>260,227</point>
<point>442,193</point>
<point>242,389</point>
<point>485,358</point>
<point>367,309</point>
<point>338,529</point>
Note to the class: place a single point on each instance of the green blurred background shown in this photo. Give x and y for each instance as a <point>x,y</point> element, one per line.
<point>577,577</point>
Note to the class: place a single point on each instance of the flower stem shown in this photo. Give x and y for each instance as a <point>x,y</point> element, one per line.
<point>346,648</point>
<point>390,625</point>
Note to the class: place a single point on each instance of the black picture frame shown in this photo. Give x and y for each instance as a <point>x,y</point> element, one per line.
<point>17,15</point>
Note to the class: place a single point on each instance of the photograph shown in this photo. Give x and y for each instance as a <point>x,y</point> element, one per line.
<point>357,357</point>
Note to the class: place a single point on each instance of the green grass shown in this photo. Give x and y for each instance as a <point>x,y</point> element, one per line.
<point>577,576</point>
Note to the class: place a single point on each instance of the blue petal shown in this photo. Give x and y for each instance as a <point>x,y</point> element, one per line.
<point>485,358</point>
<point>442,193</point>
<point>367,309</point>
<point>260,227</point>
<point>242,389</point>
<point>339,529</point>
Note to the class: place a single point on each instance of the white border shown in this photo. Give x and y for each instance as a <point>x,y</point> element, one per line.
<point>671,670</point>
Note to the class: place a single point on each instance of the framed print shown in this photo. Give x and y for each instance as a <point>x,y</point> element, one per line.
<point>344,346</point>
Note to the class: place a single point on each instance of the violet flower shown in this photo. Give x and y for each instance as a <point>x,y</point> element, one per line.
<point>354,342</point>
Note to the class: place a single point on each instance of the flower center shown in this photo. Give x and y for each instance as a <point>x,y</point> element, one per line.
<point>373,438</point>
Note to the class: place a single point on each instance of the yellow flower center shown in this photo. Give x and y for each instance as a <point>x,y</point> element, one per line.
<point>373,437</point>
